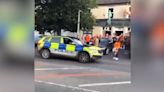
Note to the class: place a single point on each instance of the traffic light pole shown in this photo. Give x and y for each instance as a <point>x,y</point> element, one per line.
<point>78,23</point>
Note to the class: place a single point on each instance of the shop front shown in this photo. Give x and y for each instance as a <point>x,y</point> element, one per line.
<point>117,27</point>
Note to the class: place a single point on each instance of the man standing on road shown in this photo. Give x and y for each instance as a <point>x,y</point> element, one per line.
<point>127,44</point>
<point>87,39</point>
<point>96,41</point>
<point>116,48</point>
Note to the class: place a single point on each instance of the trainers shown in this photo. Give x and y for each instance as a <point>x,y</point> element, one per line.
<point>116,59</point>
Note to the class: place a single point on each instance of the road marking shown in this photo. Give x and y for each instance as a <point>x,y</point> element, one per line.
<point>66,86</point>
<point>103,84</point>
<point>79,67</point>
<point>78,75</point>
<point>53,69</point>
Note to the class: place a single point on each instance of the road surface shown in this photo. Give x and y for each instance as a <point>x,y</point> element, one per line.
<point>68,75</point>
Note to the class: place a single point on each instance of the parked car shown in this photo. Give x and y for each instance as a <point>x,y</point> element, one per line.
<point>106,44</point>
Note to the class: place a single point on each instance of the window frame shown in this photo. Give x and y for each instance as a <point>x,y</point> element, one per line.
<point>67,38</point>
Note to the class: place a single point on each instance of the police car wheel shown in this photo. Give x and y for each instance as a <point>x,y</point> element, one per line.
<point>45,53</point>
<point>84,57</point>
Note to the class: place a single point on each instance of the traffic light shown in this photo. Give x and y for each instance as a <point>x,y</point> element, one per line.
<point>110,16</point>
<point>45,1</point>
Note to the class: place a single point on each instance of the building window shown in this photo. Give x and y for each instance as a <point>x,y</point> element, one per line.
<point>130,9</point>
<point>129,29</point>
<point>105,28</point>
<point>110,28</point>
<point>118,33</point>
<point>128,12</point>
<point>108,32</point>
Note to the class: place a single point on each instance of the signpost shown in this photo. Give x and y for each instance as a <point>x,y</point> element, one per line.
<point>78,23</point>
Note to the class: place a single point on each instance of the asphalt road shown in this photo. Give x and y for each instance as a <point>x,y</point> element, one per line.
<point>67,75</point>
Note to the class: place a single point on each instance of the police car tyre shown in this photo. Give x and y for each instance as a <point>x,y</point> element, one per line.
<point>84,57</point>
<point>45,53</point>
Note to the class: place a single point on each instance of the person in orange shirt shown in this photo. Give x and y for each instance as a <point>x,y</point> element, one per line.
<point>157,38</point>
<point>87,39</point>
<point>116,48</point>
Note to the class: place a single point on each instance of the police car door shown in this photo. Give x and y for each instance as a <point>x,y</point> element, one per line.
<point>70,47</point>
<point>55,45</point>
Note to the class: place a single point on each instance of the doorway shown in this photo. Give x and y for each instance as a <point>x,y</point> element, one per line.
<point>118,33</point>
<point>108,32</point>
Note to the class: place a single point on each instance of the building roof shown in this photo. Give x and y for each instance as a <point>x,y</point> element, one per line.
<point>111,2</point>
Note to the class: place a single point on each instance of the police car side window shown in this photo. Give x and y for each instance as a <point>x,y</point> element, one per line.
<point>56,40</point>
<point>67,41</point>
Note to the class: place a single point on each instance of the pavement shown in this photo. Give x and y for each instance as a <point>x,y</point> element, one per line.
<point>68,75</point>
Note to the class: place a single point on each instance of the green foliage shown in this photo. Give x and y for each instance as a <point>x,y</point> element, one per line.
<point>63,14</point>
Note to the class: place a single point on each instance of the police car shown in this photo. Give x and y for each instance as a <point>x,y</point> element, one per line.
<point>69,47</point>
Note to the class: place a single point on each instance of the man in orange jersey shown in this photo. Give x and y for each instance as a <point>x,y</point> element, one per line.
<point>87,39</point>
<point>116,48</point>
<point>157,38</point>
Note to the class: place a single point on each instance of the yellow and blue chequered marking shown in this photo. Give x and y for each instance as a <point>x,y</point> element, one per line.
<point>47,44</point>
<point>79,48</point>
<point>61,46</point>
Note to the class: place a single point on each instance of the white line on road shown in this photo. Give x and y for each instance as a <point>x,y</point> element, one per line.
<point>66,86</point>
<point>103,84</point>
<point>51,69</point>
<point>77,68</point>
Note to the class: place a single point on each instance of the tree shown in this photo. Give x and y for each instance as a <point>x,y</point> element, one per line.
<point>63,14</point>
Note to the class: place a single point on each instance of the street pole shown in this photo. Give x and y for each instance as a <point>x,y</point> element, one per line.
<point>78,23</point>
